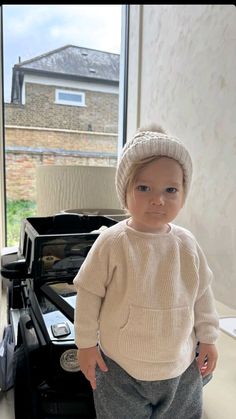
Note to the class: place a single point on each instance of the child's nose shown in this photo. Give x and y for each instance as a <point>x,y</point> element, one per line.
<point>157,199</point>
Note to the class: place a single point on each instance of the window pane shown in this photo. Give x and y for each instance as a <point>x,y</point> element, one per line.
<point>70,98</point>
<point>61,95</point>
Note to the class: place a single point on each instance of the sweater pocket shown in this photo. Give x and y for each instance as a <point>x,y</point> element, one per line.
<point>152,335</point>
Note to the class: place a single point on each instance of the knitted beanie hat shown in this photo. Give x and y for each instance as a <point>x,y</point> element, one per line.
<point>147,144</point>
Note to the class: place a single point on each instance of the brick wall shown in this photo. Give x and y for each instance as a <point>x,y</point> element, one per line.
<point>40,110</point>
<point>42,132</point>
<point>21,170</point>
<point>55,139</point>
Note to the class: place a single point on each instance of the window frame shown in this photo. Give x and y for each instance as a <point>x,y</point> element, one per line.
<point>3,218</point>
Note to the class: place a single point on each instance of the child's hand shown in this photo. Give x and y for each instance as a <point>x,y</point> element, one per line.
<point>207,358</point>
<point>88,359</point>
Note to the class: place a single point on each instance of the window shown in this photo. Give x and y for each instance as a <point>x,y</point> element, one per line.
<point>52,57</point>
<point>65,97</point>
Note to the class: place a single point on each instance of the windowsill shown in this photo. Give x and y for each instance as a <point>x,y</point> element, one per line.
<point>224,310</point>
<point>228,325</point>
<point>219,393</point>
<point>227,319</point>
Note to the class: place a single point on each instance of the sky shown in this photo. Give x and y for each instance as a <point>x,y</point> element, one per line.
<point>32,30</point>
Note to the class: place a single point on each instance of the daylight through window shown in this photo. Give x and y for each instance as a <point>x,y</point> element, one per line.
<point>61,95</point>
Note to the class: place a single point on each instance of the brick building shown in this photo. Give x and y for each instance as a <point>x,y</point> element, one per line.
<point>63,110</point>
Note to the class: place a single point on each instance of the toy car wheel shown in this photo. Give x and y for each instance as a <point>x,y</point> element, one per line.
<point>25,399</point>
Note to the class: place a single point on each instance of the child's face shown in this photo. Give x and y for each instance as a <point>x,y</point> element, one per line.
<point>156,196</point>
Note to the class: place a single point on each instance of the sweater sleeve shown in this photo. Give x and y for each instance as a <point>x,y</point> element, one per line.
<point>90,283</point>
<point>87,309</point>
<point>94,273</point>
<point>206,317</point>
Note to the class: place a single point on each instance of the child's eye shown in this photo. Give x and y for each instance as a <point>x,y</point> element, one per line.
<point>143,188</point>
<point>171,190</point>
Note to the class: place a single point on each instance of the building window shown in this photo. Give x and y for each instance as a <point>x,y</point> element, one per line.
<point>53,70</point>
<point>66,97</point>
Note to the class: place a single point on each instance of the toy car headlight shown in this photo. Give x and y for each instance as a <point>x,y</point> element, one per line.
<point>69,361</point>
<point>60,329</point>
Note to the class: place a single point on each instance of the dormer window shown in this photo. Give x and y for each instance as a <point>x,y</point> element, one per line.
<point>68,97</point>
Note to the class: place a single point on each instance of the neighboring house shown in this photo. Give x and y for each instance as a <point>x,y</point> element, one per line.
<point>63,110</point>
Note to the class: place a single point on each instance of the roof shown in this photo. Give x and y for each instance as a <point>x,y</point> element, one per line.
<point>77,61</point>
<point>70,61</point>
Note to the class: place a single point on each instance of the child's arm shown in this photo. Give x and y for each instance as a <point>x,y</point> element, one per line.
<point>88,359</point>
<point>206,320</point>
<point>207,358</point>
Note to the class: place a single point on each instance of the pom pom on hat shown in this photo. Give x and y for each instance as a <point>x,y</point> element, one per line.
<point>147,144</point>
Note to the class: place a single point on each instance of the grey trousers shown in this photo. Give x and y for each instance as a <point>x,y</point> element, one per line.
<point>120,396</point>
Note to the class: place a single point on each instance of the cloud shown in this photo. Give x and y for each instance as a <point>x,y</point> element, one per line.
<point>94,24</point>
<point>31,30</point>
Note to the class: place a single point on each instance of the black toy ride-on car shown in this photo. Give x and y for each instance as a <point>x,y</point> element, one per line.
<point>41,298</point>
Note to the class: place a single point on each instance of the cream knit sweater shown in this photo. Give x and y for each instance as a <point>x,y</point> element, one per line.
<point>147,299</point>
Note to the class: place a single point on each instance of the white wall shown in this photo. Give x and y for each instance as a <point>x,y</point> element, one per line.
<point>182,75</point>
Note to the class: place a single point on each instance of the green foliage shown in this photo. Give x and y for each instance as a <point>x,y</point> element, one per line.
<point>16,211</point>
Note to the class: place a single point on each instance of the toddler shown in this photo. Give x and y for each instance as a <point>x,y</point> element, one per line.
<point>144,300</point>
